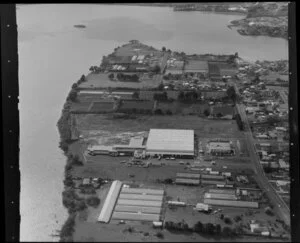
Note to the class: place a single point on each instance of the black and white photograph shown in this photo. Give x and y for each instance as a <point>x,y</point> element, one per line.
<point>155,122</point>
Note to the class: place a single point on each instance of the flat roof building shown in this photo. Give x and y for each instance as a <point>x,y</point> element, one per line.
<point>170,142</point>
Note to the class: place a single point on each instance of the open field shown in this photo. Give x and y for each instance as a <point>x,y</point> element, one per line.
<point>203,127</point>
<point>101,80</point>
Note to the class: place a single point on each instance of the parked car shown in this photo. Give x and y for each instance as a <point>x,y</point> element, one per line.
<point>172,158</point>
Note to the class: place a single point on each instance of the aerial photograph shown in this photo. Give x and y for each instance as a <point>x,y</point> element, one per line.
<point>154,122</point>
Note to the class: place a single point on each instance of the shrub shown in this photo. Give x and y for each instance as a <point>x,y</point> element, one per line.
<point>237,218</point>
<point>93,201</point>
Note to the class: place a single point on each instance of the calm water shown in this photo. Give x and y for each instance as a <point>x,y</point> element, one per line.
<point>53,55</point>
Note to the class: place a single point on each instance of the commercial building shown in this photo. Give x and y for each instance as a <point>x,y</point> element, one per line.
<point>141,197</point>
<point>231,203</point>
<point>110,202</point>
<point>171,142</point>
<point>220,148</point>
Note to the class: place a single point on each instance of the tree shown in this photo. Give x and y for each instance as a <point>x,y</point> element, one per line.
<point>227,220</point>
<point>163,49</point>
<point>218,229</point>
<point>72,95</point>
<point>160,86</point>
<point>111,76</point>
<point>227,231</point>
<point>158,112</point>
<point>169,112</point>
<point>198,227</point>
<point>135,95</point>
<point>82,78</point>
<point>231,93</point>
<point>206,112</point>
<point>156,69</point>
<point>181,96</point>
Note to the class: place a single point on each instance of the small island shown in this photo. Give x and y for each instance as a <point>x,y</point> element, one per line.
<point>157,149</point>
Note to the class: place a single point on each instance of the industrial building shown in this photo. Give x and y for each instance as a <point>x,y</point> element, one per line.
<point>170,142</point>
<point>231,203</point>
<point>139,204</point>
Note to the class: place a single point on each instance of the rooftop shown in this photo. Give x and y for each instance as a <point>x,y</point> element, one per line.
<point>171,140</point>
<point>196,65</point>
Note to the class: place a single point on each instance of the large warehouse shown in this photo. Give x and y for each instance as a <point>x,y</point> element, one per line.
<point>171,142</point>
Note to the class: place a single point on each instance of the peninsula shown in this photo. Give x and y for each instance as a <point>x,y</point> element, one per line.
<point>164,145</point>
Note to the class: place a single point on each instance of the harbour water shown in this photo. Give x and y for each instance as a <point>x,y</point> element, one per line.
<point>53,55</point>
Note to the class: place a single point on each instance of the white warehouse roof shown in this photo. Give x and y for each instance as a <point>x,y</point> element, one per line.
<point>170,141</point>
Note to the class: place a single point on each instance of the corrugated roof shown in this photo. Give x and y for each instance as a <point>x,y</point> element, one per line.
<point>141,197</point>
<point>135,216</point>
<point>142,191</point>
<point>139,203</point>
<point>229,203</point>
<point>171,140</point>
<point>110,201</point>
<point>135,209</point>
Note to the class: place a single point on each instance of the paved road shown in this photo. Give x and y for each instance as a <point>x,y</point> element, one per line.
<point>279,205</point>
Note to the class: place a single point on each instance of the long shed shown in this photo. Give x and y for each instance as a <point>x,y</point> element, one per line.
<point>212,177</point>
<point>110,202</point>
<point>142,191</point>
<point>220,196</point>
<point>135,216</point>
<point>230,203</point>
<point>220,191</point>
<point>187,181</point>
<point>141,197</point>
<point>136,209</point>
<point>139,203</point>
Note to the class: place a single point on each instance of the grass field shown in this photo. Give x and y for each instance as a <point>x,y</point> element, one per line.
<point>203,127</point>
<point>101,80</point>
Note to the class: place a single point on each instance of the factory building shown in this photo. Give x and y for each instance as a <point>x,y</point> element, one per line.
<point>170,142</point>
<point>220,148</point>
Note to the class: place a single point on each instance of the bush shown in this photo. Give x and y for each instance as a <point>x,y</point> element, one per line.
<point>93,201</point>
<point>237,218</point>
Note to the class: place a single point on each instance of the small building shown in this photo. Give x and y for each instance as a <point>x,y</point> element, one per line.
<point>176,203</point>
<point>283,164</point>
<point>220,196</point>
<point>231,203</point>
<point>202,207</point>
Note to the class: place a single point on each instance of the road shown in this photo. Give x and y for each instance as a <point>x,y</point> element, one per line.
<point>279,205</point>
